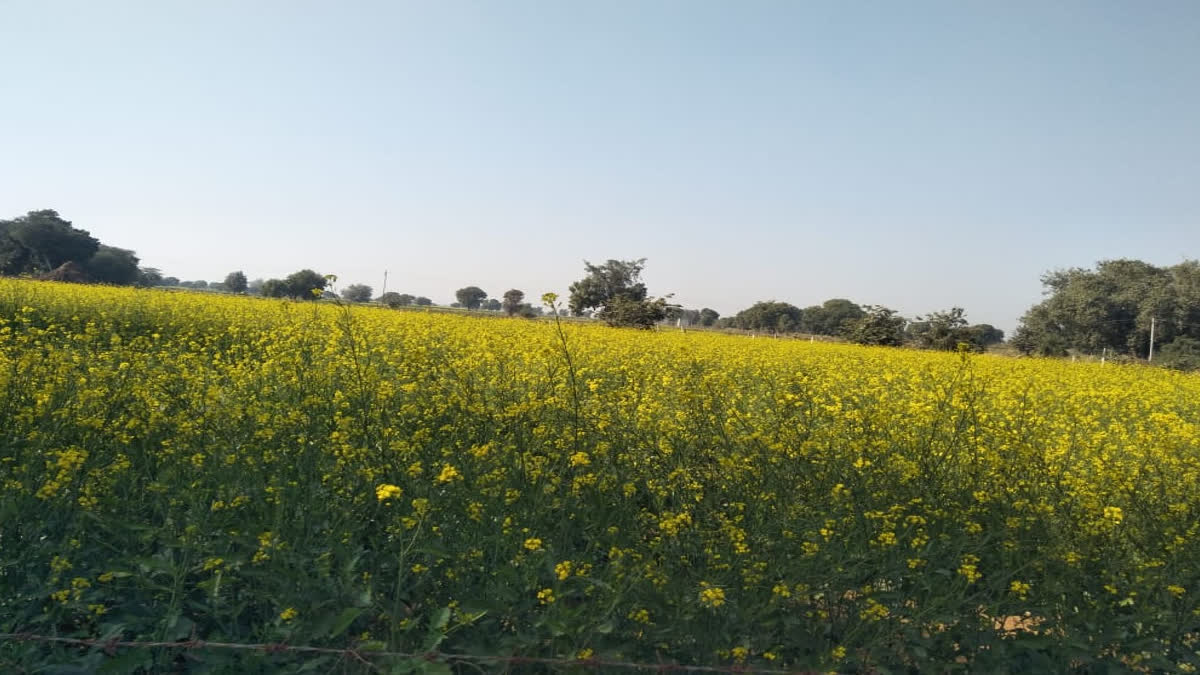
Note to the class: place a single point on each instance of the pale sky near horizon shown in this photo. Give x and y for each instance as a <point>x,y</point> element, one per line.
<point>919,155</point>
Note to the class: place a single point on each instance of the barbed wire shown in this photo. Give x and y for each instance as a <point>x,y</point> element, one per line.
<point>364,656</point>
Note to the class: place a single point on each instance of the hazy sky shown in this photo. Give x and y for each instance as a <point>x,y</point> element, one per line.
<point>914,154</point>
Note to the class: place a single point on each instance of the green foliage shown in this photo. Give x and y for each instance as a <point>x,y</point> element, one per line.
<point>305,285</point>
<point>110,265</point>
<point>1110,308</point>
<point>948,331</point>
<point>770,316</point>
<point>1182,353</point>
<point>492,305</point>
<point>878,326</point>
<point>235,282</point>
<point>150,276</point>
<point>513,298</point>
<point>708,317</point>
<point>604,283</point>
<point>422,301</point>
<point>470,297</point>
<point>831,317</point>
<point>626,312</point>
<point>616,290</point>
<point>357,293</point>
<point>274,288</point>
<point>941,330</point>
<point>40,241</point>
<point>393,299</point>
<point>984,335</point>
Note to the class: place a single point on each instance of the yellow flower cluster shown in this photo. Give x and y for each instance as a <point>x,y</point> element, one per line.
<point>652,495</point>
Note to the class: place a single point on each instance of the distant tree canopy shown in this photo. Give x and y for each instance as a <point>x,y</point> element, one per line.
<point>393,299</point>
<point>1182,353</point>
<point>616,290</point>
<point>947,330</point>
<point>492,305</point>
<point>769,316</point>
<point>878,326</point>
<point>470,297</point>
<point>40,242</point>
<point>150,276</point>
<point>985,335</point>
<point>274,288</point>
<point>357,293</point>
<point>111,265</point>
<point>423,301</point>
<point>305,285</point>
<point>235,282</point>
<point>603,283</point>
<point>708,317</point>
<point>1111,307</point>
<point>513,298</point>
<point>830,317</point>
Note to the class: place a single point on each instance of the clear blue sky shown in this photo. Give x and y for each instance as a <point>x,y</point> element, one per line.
<point>914,154</point>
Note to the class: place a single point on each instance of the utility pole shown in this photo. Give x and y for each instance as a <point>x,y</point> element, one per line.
<point>384,282</point>
<point>1151,357</point>
<point>1103,353</point>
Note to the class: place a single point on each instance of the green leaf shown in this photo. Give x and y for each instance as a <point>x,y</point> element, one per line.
<point>435,668</point>
<point>344,620</point>
<point>440,618</point>
<point>127,662</point>
<point>181,627</point>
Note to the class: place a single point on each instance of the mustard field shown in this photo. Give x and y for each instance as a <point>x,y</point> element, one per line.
<point>202,467</point>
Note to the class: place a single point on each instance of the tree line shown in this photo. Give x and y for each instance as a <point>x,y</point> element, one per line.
<point>867,324</point>
<point>43,245</point>
<point>1114,310</point>
<point>1122,309</point>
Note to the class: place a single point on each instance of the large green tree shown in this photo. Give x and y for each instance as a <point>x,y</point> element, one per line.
<point>1111,308</point>
<point>111,265</point>
<point>878,326</point>
<point>604,283</point>
<point>40,241</point>
<point>769,316</point>
<point>940,330</point>
<point>615,289</point>
<point>513,298</point>
<point>304,285</point>
<point>830,317</point>
<point>357,293</point>
<point>470,297</point>
<point>274,288</point>
<point>393,299</point>
<point>235,282</point>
